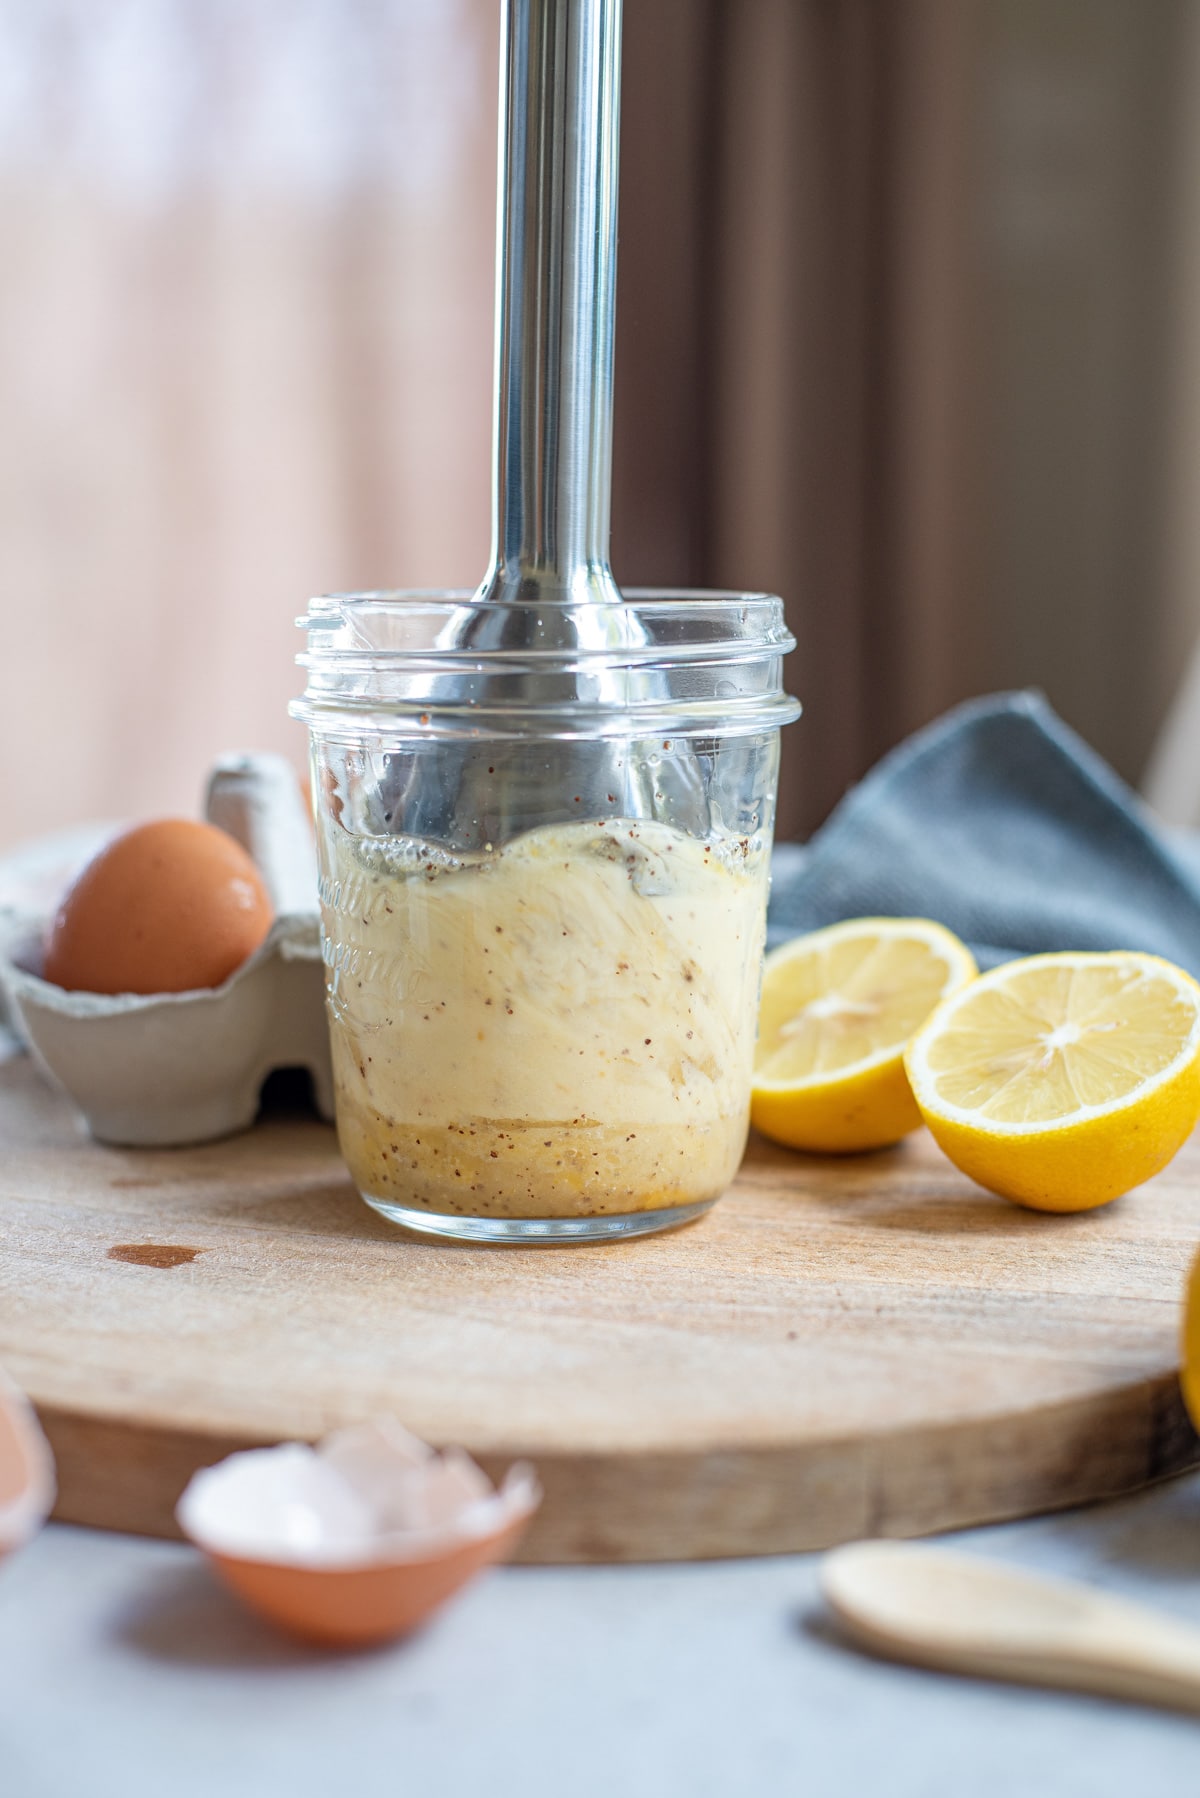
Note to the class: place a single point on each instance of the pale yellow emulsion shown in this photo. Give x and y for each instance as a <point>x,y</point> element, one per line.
<point>564,1027</point>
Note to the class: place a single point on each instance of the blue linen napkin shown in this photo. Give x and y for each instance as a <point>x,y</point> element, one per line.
<point>1001,823</point>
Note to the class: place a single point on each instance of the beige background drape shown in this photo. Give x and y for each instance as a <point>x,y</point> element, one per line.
<point>904,331</point>
<point>245,356</point>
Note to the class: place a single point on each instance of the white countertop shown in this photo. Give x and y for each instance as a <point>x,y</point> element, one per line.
<point>126,1671</point>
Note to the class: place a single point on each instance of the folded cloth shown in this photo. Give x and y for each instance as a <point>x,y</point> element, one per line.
<point>1001,823</point>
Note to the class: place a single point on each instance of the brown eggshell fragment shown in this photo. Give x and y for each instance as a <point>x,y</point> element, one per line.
<point>26,1471</point>
<point>169,907</point>
<point>348,1607</point>
<point>356,1541</point>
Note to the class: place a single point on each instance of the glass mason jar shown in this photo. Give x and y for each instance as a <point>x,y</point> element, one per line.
<point>544,866</point>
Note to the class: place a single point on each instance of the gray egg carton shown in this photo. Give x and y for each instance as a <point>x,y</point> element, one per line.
<point>177,1068</point>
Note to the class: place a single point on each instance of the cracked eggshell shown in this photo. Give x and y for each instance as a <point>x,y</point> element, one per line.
<point>358,1540</point>
<point>172,1068</point>
<point>26,1470</point>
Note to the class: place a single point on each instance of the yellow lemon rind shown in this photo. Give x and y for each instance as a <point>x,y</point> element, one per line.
<point>869,1109</point>
<point>1189,1346</point>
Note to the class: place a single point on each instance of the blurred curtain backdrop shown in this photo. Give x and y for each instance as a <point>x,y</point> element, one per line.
<point>919,290</point>
<point>904,332</point>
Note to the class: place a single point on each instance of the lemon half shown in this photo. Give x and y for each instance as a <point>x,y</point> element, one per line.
<point>838,1007</point>
<point>1189,1372</point>
<point>1062,1081</point>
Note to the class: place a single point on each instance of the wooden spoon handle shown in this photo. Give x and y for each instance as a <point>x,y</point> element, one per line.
<point>962,1615</point>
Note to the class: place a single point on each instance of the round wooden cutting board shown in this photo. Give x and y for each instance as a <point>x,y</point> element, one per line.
<point>842,1348</point>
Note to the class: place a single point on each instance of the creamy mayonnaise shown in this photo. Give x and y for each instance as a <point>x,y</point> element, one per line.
<point>563,1027</point>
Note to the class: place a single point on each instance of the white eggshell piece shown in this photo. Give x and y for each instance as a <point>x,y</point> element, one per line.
<point>273,1502</point>
<point>371,1494</point>
<point>409,1486</point>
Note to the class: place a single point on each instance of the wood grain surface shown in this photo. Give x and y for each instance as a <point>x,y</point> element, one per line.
<point>869,1346</point>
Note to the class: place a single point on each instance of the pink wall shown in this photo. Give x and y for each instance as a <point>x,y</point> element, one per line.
<point>245,356</point>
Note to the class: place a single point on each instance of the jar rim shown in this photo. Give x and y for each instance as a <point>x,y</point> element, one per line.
<point>675,660</point>
<point>658,603</point>
<point>652,596</point>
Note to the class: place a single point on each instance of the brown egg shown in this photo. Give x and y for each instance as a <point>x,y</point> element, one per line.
<point>167,907</point>
<point>26,1471</point>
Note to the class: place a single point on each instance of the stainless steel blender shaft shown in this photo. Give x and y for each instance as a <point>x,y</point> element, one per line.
<point>548,585</point>
<point>556,260</point>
